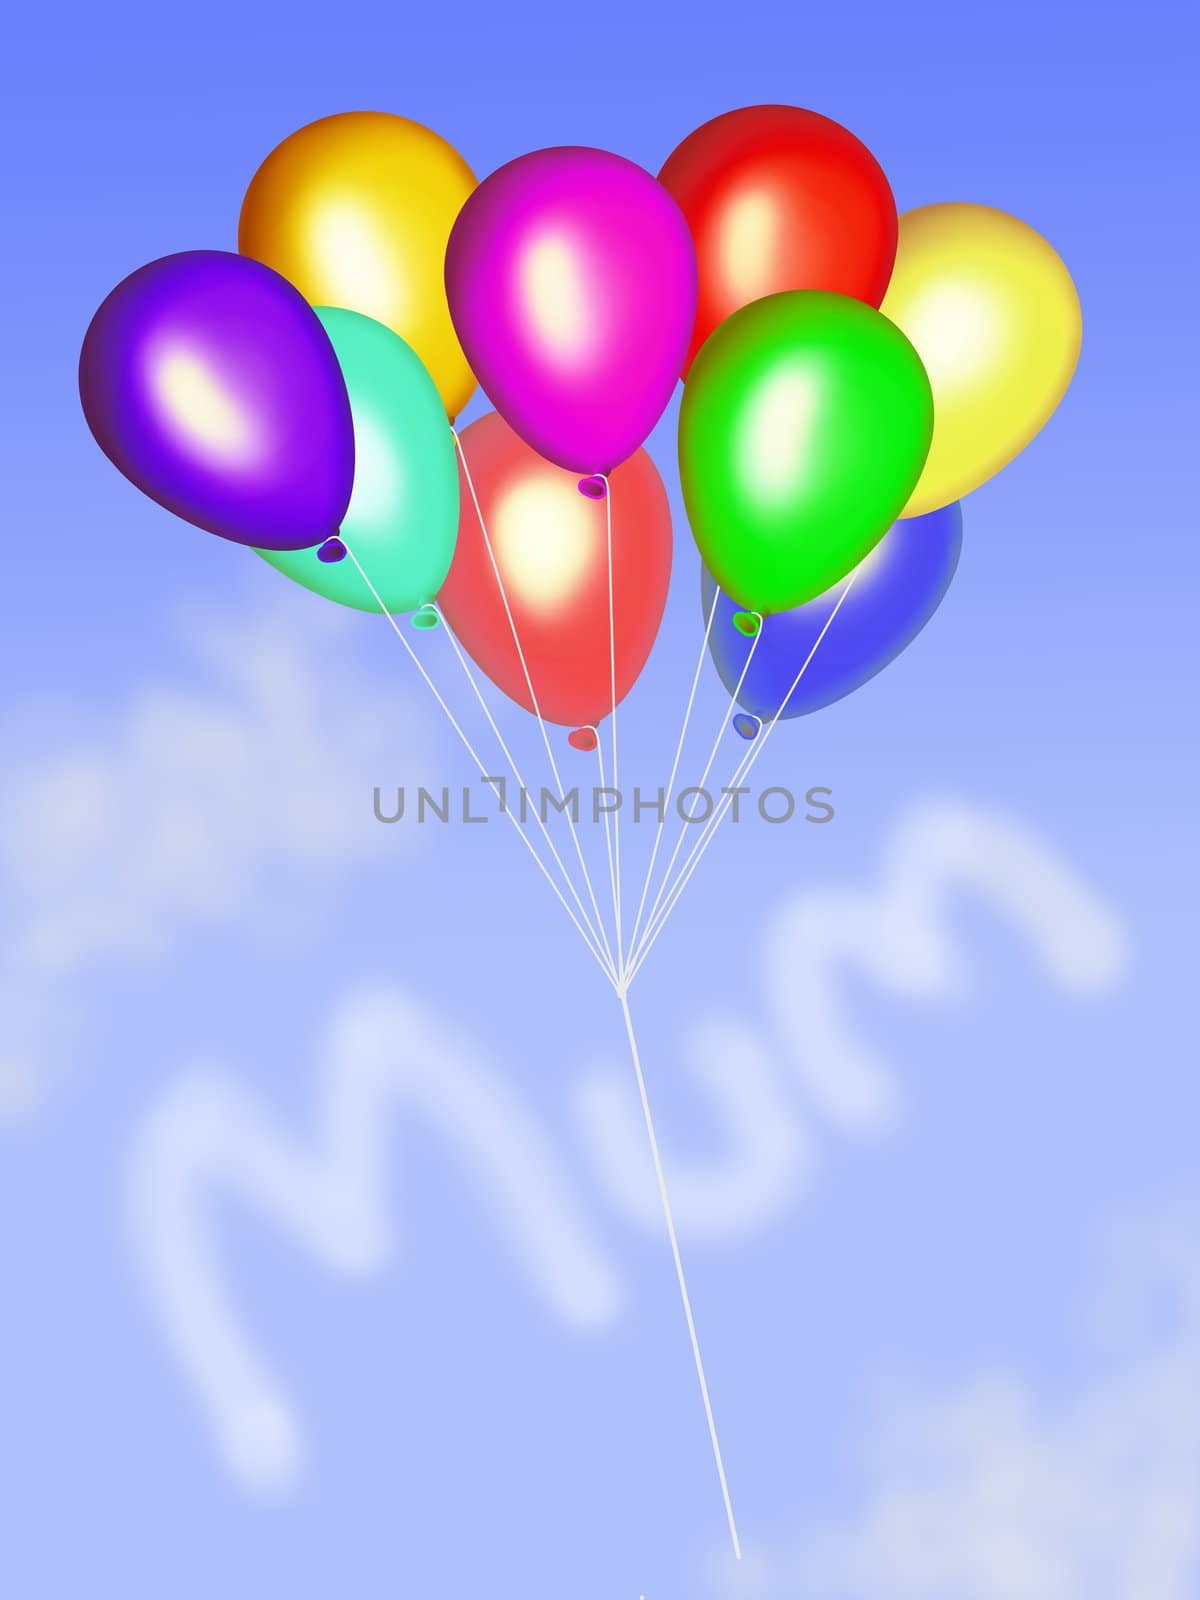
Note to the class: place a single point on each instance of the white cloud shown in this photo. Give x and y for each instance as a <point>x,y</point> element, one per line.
<point>899,934</point>
<point>231,796</point>
<point>208,1138</point>
<point>208,1135</point>
<point>992,1493</point>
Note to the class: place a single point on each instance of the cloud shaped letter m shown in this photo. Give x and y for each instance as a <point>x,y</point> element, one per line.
<point>898,935</point>
<point>209,1139</point>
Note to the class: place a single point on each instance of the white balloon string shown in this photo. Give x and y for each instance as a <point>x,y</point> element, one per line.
<point>679,1272</point>
<point>608,843</point>
<point>660,1175</point>
<point>670,789</point>
<point>512,623</point>
<point>655,924</point>
<point>612,971</point>
<point>722,729</point>
<point>605,966</point>
<point>616,781</point>
<point>743,770</point>
<point>511,759</point>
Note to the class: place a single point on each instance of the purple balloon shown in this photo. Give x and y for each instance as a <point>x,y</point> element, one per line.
<point>571,277</point>
<point>207,379</point>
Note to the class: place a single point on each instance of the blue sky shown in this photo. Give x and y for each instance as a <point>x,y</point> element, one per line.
<point>331,1253</point>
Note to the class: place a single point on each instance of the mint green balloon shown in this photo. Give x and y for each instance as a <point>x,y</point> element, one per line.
<point>805,423</point>
<point>402,521</point>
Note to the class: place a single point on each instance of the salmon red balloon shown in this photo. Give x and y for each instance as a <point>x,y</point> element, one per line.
<point>780,198</point>
<point>550,543</point>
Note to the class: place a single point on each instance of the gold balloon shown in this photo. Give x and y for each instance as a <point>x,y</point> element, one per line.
<point>994,316</point>
<point>355,210</point>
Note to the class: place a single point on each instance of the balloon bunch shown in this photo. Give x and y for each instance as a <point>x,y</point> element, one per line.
<point>849,375</point>
<point>844,369</point>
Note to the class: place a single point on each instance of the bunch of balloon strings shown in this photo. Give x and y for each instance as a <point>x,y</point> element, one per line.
<point>848,376</point>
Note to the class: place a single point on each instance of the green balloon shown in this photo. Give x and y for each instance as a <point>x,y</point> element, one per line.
<point>805,424</point>
<point>402,522</point>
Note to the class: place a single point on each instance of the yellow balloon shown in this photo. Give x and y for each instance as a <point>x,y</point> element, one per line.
<point>993,314</point>
<point>355,210</point>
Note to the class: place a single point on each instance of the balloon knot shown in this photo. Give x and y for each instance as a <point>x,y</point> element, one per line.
<point>332,550</point>
<point>593,487</point>
<point>583,739</point>
<point>747,622</point>
<point>425,618</point>
<point>746,725</point>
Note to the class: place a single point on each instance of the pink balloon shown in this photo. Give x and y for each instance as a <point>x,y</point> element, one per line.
<point>571,277</point>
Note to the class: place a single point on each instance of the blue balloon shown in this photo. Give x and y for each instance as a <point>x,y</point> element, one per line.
<point>898,588</point>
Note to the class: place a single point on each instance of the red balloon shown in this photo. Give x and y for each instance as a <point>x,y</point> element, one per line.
<point>780,198</point>
<point>549,537</point>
